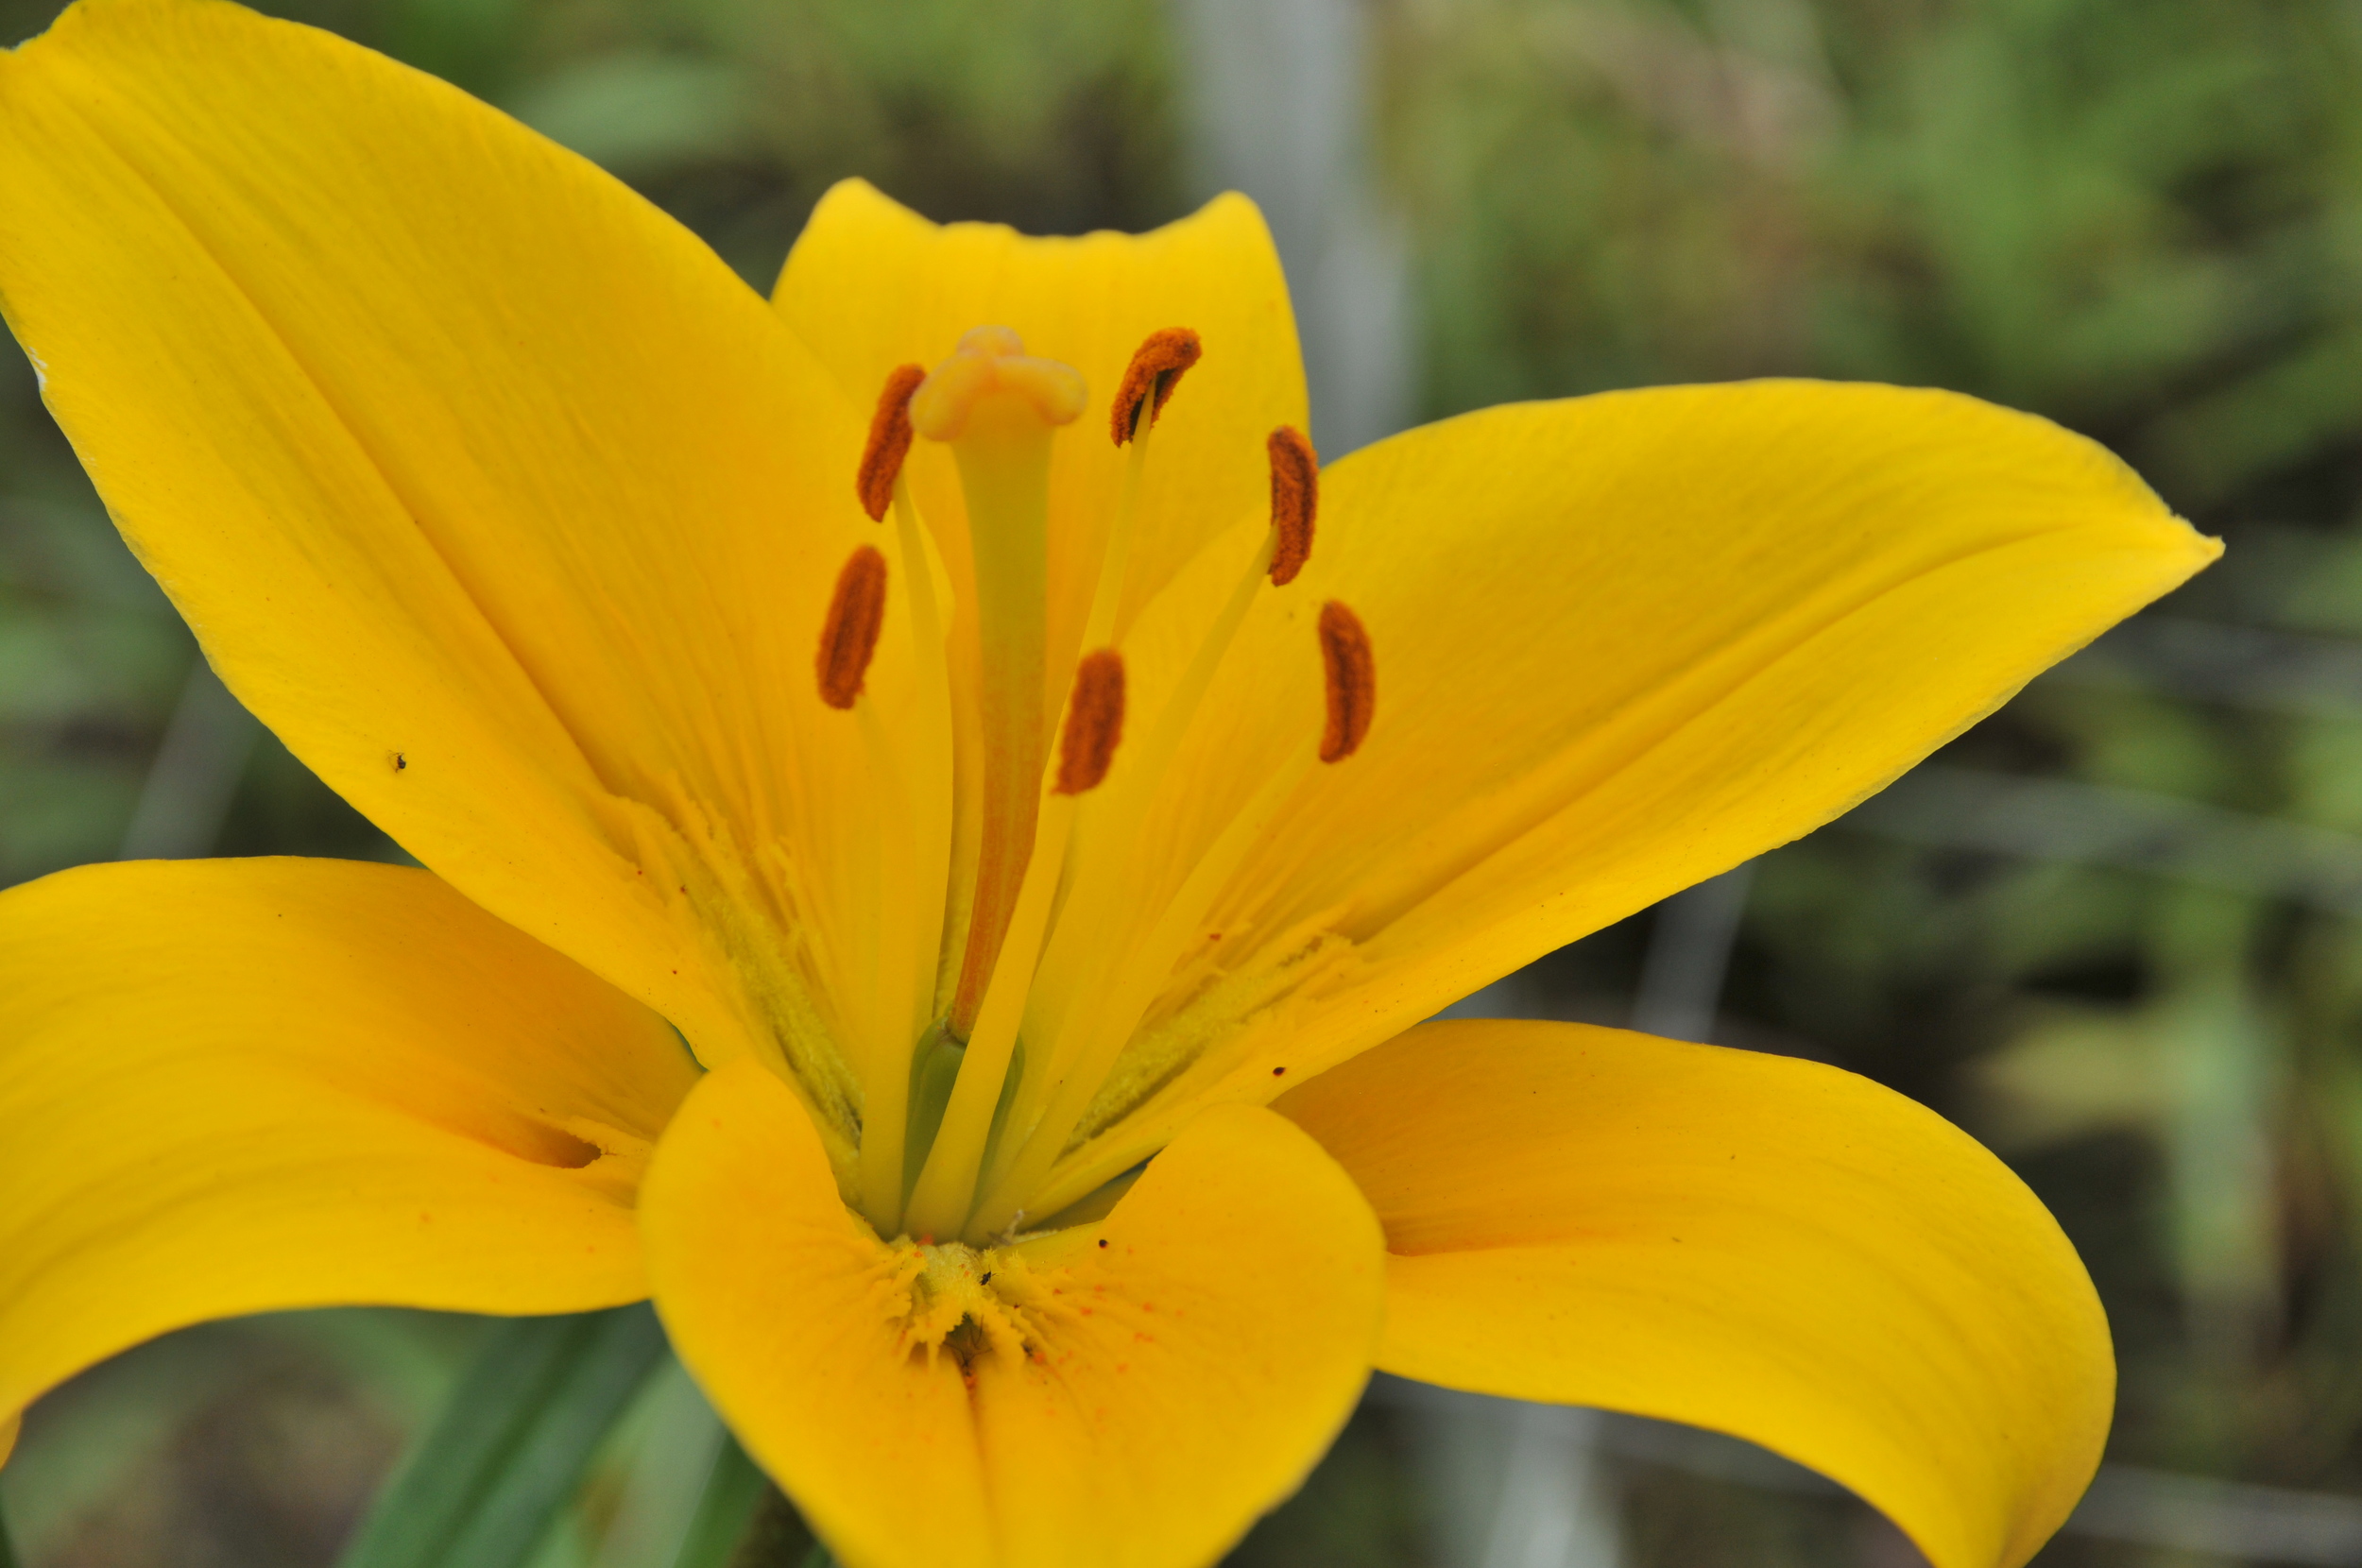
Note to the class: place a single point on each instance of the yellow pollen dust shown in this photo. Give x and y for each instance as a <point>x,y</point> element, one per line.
<point>963,1302</point>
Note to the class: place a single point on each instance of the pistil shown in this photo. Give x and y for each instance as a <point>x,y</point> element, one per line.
<point>997,406</point>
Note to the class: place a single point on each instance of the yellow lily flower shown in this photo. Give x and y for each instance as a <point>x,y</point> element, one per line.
<point>936,875</point>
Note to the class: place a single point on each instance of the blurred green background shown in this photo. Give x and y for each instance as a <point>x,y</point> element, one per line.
<point>2112,931</point>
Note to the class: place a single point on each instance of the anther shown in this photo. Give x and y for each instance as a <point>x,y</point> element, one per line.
<point>850,636</point>
<point>889,441</point>
<point>1296,501</point>
<point>1156,369</point>
<point>1352,681</point>
<point>1094,722</point>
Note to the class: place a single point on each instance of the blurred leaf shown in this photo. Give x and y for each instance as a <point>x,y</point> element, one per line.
<point>2073,1073</point>
<point>510,1448</point>
<point>638,112</point>
<point>734,1488</point>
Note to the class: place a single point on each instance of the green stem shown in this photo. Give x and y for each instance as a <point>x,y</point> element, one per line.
<point>509,1450</point>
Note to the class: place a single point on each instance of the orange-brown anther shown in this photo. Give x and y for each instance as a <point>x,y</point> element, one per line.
<point>1352,681</point>
<point>889,441</point>
<point>1296,501</point>
<point>1149,380</point>
<point>1094,722</point>
<point>850,636</point>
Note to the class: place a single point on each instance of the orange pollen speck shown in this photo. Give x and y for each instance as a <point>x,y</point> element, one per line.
<point>1352,681</point>
<point>850,636</point>
<point>1296,501</point>
<point>889,441</point>
<point>1149,380</point>
<point>1094,722</point>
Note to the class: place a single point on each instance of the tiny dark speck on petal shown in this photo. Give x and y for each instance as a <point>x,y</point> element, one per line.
<point>1103,1241</point>
<point>397,760</point>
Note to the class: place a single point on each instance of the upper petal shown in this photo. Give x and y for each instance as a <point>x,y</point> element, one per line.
<point>1622,642</point>
<point>1146,1387</point>
<point>871,284</point>
<point>1763,1246</point>
<point>232,1086</point>
<point>483,482</point>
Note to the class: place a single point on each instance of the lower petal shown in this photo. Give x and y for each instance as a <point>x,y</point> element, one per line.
<point>1131,1392</point>
<point>1755,1244</point>
<point>234,1087</point>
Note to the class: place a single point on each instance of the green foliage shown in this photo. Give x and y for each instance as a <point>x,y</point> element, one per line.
<point>508,1451</point>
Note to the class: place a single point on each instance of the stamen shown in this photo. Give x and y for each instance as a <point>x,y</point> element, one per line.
<point>1295,500</point>
<point>1094,1041</point>
<point>1157,368</point>
<point>850,636</point>
<point>1094,722</point>
<point>889,441</point>
<point>1352,681</point>
<point>1103,885</point>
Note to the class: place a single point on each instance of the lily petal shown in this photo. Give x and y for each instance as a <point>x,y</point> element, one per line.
<point>236,1086</point>
<point>871,284</point>
<point>485,485</point>
<point>1750,1243</point>
<point>1622,642</point>
<point>1185,1360</point>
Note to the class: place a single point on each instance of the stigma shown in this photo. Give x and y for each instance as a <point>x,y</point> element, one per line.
<point>991,377</point>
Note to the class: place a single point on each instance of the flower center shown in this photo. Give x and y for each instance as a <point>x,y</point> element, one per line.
<point>960,1128</point>
<point>960,1301</point>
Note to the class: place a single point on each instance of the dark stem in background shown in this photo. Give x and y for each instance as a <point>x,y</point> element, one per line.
<point>186,797</point>
<point>1688,955</point>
